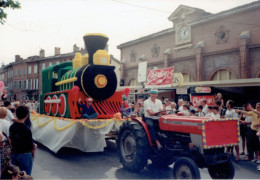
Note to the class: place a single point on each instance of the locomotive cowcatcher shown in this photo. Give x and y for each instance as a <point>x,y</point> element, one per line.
<point>189,142</point>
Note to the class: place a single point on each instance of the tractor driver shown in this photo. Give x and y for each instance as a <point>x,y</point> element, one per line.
<point>153,107</point>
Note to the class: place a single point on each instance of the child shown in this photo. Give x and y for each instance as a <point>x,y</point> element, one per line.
<point>192,112</point>
<point>200,112</point>
<point>87,110</point>
<point>215,113</point>
<point>23,148</point>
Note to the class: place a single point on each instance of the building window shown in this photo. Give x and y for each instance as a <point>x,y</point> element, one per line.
<point>25,71</point>
<point>15,84</point>
<point>15,72</point>
<point>43,66</point>
<point>50,64</point>
<point>24,84</point>
<point>20,84</point>
<point>20,72</point>
<point>36,83</point>
<point>30,70</point>
<point>223,75</point>
<point>29,84</point>
<point>187,77</point>
<point>35,69</point>
<point>33,83</point>
<point>57,62</point>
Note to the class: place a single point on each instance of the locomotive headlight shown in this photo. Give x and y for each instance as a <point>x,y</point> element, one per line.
<point>101,57</point>
<point>100,81</point>
<point>103,60</point>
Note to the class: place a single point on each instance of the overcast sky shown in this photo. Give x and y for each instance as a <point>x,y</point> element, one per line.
<point>45,24</point>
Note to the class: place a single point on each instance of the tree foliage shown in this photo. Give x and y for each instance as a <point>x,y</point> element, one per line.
<point>7,4</point>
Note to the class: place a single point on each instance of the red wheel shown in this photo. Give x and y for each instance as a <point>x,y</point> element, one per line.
<point>54,105</point>
<point>62,105</point>
<point>47,105</point>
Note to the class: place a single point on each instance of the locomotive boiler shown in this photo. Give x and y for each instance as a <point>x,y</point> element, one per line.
<point>89,75</point>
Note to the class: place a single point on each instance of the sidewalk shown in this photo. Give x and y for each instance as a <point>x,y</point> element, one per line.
<point>242,164</point>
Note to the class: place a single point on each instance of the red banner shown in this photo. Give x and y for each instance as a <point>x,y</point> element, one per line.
<point>196,100</point>
<point>160,77</point>
<point>221,132</point>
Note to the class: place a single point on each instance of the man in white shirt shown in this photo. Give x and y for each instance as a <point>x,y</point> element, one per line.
<point>203,103</point>
<point>153,107</point>
<point>171,109</point>
<point>180,105</point>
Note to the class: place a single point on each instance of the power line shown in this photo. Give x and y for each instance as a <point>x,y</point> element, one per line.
<point>158,10</point>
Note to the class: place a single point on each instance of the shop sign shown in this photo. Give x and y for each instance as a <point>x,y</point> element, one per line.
<point>203,90</point>
<point>181,91</point>
<point>196,100</point>
<point>160,77</point>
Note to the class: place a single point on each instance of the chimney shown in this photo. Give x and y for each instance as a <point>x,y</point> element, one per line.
<point>57,51</point>
<point>18,58</point>
<point>75,48</point>
<point>42,53</point>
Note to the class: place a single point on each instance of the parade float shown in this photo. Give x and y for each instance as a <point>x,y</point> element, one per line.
<point>59,123</point>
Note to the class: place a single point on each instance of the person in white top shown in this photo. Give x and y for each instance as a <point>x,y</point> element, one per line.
<point>10,117</point>
<point>231,113</point>
<point>170,107</point>
<point>215,113</point>
<point>185,110</point>
<point>203,103</point>
<point>152,108</point>
<point>4,123</point>
<point>173,108</point>
<point>180,105</point>
<point>210,113</point>
<point>200,113</point>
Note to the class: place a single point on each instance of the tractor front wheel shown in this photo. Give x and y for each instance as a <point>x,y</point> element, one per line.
<point>222,171</point>
<point>132,146</point>
<point>185,168</point>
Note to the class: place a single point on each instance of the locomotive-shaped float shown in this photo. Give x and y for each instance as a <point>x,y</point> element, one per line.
<point>89,75</point>
<point>65,86</point>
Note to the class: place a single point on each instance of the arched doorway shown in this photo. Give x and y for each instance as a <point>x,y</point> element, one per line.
<point>187,77</point>
<point>133,82</point>
<point>222,75</point>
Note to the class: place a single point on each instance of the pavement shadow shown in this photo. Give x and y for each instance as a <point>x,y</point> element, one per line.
<point>149,172</point>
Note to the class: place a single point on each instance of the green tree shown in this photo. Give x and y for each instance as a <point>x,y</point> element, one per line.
<point>7,4</point>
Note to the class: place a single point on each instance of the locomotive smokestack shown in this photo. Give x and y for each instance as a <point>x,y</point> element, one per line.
<point>94,42</point>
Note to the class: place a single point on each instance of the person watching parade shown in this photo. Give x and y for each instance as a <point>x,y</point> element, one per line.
<point>87,110</point>
<point>152,108</point>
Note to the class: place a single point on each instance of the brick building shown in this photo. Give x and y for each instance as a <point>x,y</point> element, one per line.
<point>200,45</point>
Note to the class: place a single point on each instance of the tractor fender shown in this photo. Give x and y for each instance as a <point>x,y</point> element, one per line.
<point>143,124</point>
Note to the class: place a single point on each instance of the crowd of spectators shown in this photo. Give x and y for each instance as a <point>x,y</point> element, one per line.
<point>16,143</point>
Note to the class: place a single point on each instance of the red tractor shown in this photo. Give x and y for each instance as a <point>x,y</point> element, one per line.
<point>189,142</point>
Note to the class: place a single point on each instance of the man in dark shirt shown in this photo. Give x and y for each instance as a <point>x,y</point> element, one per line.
<point>87,110</point>
<point>23,148</point>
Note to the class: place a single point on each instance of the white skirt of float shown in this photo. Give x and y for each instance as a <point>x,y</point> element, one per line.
<point>58,132</point>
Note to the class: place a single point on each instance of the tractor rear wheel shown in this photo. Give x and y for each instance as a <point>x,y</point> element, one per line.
<point>132,146</point>
<point>185,168</point>
<point>222,171</point>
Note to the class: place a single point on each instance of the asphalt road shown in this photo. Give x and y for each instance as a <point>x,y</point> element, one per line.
<point>73,164</point>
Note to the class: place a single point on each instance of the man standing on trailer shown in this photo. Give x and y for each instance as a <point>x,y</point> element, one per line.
<point>152,108</point>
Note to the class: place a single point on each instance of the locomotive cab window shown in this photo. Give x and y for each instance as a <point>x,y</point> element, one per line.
<point>55,75</point>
